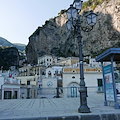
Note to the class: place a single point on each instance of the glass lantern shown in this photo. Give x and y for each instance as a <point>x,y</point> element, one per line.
<point>91,18</point>
<point>71,12</point>
<point>78,4</point>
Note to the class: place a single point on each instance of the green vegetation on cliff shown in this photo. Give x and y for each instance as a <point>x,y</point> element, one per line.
<point>9,56</point>
<point>93,3</point>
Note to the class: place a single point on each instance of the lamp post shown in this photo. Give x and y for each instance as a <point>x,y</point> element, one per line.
<point>74,22</point>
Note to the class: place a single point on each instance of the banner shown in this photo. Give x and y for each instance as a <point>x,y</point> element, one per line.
<point>108,83</point>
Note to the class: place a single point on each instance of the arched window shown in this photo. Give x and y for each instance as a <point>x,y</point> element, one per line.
<point>56,72</point>
<point>49,74</point>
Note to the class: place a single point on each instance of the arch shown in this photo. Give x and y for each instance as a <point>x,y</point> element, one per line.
<point>49,73</point>
<point>73,84</point>
<point>73,89</point>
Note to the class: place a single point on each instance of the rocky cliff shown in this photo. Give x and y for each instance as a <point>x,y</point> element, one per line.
<point>54,38</point>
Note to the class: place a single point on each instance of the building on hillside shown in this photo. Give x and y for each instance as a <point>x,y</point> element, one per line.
<point>9,86</point>
<point>31,80</point>
<point>58,74</point>
<point>29,70</point>
<point>71,80</point>
<point>69,61</point>
<point>47,60</point>
<point>50,81</point>
<point>28,85</point>
<point>94,64</point>
<point>25,71</point>
<point>35,70</point>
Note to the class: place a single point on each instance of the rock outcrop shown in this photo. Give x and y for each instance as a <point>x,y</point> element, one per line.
<point>54,37</point>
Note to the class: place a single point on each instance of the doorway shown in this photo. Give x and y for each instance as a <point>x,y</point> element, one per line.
<point>73,91</point>
<point>7,94</point>
<point>15,94</point>
<point>100,85</point>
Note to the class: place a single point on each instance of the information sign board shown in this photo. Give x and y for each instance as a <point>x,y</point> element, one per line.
<point>108,83</point>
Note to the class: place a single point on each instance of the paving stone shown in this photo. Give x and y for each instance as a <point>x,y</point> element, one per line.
<point>57,109</point>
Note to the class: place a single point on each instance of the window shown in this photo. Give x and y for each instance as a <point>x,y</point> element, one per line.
<point>73,71</point>
<point>73,77</point>
<point>99,70</point>
<point>43,73</point>
<point>28,82</point>
<point>100,82</point>
<point>56,72</point>
<point>49,74</point>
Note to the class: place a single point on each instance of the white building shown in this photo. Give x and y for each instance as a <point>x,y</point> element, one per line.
<point>71,80</point>
<point>67,61</point>
<point>50,81</point>
<point>93,63</point>
<point>47,60</point>
<point>10,87</point>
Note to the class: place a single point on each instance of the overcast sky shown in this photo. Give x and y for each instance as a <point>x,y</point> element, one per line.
<point>20,18</point>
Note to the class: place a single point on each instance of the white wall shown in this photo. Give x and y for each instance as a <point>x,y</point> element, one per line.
<point>90,78</point>
<point>1,81</point>
<point>51,81</point>
<point>73,80</point>
<point>11,87</point>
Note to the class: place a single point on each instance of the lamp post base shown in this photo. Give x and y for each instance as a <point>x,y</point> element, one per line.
<point>84,110</point>
<point>83,100</point>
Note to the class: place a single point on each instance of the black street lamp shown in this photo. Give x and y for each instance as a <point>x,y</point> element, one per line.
<point>74,22</point>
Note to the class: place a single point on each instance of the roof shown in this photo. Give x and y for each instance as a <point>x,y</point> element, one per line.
<point>106,56</point>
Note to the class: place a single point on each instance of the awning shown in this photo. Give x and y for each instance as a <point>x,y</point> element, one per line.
<point>106,56</point>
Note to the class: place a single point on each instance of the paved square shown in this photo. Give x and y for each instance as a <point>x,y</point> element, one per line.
<point>36,108</point>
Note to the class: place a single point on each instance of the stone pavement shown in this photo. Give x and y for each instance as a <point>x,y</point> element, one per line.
<point>57,109</point>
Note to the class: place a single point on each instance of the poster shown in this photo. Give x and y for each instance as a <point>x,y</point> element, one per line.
<point>109,83</point>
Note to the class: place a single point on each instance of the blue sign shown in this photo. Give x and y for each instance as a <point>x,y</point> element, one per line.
<point>108,83</point>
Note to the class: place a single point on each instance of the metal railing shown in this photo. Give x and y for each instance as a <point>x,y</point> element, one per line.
<point>59,92</point>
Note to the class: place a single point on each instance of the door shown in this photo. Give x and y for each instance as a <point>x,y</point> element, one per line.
<point>73,91</point>
<point>15,94</point>
<point>100,85</point>
<point>7,94</point>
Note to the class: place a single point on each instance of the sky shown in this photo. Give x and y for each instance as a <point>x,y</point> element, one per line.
<point>20,18</point>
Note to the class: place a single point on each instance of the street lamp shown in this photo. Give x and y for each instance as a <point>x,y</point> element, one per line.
<point>74,23</point>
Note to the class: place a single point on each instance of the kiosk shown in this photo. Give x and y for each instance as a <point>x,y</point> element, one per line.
<point>110,91</point>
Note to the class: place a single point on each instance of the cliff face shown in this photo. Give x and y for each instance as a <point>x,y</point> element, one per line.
<point>54,38</point>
